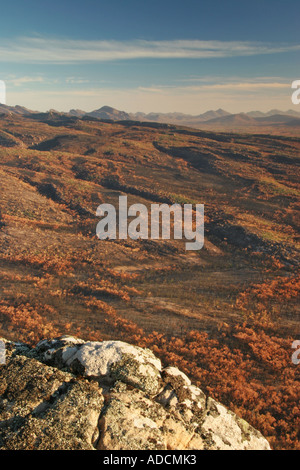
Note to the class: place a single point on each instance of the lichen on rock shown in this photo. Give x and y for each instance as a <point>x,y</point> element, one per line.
<point>67,393</point>
<point>110,360</point>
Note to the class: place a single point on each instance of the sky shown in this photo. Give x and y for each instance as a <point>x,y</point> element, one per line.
<point>151,56</point>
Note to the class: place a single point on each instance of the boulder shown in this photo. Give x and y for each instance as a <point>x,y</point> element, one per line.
<point>69,394</point>
<point>107,360</point>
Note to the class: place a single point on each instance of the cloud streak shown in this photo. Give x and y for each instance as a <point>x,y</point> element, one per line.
<point>45,50</point>
<point>21,81</point>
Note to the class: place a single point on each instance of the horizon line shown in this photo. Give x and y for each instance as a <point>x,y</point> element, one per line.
<point>146,114</point>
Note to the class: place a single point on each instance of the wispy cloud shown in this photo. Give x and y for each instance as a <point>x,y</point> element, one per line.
<point>21,81</point>
<point>47,50</point>
<point>240,86</point>
<point>223,84</point>
<point>151,89</point>
<point>76,80</point>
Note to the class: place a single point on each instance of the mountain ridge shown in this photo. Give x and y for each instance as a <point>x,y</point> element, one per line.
<point>210,117</point>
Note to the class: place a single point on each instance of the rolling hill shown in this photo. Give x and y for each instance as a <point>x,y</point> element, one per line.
<point>226,315</point>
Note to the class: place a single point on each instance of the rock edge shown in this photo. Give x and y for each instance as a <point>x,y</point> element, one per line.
<point>71,394</point>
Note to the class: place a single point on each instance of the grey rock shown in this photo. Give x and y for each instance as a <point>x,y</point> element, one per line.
<point>131,421</point>
<point>70,394</point>
<point>44,408</point>
<point>112,360</point>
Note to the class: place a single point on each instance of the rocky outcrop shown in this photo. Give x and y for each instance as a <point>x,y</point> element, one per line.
<point>70,394</point>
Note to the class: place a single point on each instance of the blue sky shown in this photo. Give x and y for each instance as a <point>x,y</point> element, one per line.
<point>148,56</point>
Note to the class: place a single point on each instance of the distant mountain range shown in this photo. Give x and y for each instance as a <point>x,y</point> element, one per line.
<point>218,119</point>
<point>106,112</point>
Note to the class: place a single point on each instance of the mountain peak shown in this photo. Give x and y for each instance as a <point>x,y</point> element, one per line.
<point>107,112</point>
